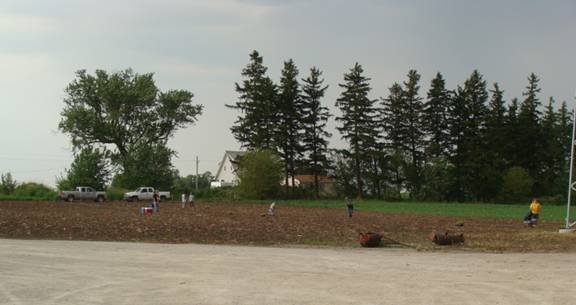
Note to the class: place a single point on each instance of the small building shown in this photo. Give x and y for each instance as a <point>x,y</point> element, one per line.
<point>227,174</point>
<point>327,185</point>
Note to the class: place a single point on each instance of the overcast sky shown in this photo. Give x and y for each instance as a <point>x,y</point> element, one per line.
<point>202,46</point>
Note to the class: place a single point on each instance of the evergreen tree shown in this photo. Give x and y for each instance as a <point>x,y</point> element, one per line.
<point>314,120</point>
<point>392,117</point>
<point>529,127</point>
<point>494,145</point>
<point>468,127</point>
<point>565,130</point>
<point>413,131</point>
<point>551,154</point>
<point>358,120</point>
<point>289,121</point>
<point>495,128</point>
<point>513,147</point>
<point>457,125</point>
<point>392,124</point>
<point>256,124</point>
<point>496,122</point>
<point>435,117</point>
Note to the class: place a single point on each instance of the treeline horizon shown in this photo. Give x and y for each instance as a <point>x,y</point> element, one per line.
<point>447,144</point>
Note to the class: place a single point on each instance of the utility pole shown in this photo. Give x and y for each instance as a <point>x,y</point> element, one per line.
<point>570,186</point>
<point>196,173</point>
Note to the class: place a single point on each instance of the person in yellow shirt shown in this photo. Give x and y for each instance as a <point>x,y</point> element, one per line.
<point>534,213</point>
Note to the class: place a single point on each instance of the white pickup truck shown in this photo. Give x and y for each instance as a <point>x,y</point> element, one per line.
<point>145,193</point>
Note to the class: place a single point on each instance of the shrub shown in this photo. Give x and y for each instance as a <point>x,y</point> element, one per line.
<point>34,190</point>
<point>516,186</point>
<point>115,193</point>
<point>260,173</point>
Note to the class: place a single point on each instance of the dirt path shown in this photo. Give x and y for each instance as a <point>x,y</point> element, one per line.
<point>77,272</point>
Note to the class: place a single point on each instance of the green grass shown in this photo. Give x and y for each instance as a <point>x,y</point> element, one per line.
<point>488,210</point>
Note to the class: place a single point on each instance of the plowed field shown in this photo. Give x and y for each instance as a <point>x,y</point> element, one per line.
<point>248,224</point>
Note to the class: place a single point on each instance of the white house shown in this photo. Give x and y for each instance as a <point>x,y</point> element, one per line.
<point>227,170</point>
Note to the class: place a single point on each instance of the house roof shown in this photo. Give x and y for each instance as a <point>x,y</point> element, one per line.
<point>232,155</point>
<point>310,179</point>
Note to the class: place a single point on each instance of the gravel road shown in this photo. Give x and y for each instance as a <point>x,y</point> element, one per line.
<point>76,272</point>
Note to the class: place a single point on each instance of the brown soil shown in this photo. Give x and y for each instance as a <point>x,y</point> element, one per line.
<point>239,223</point>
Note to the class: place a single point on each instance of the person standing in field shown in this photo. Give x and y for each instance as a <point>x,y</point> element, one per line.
<point>349,206</point>
<point>156,202</point>
<point>533,213</point>
<point>185,198</point>
<point>191,199</point>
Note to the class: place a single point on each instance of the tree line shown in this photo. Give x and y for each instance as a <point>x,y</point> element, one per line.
<point>449,144</point>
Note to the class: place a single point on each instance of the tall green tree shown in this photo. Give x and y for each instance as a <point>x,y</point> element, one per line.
<point>565,129</point>
<point>552,155</point>
<point>514,146</point>
<point>468,126</point>
<point>495,141</point>
<point>392,123</point>
<point>436,118</point>
<point>314,119</point>
<point>89,168</point>
<point>530,130</point>
<point>255,126</point>
<point>289,121</point>
<point>413,131</point>
<point>124,111</point>
<point>358,124</point>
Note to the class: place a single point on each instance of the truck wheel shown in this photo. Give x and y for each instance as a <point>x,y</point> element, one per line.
<point>134,198</point>
<point>100,199</point>
<point>163,198</point>
<point>70,198</point>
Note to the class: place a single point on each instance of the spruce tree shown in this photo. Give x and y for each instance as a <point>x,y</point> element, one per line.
<point>435,118</point>
<point>495,128</point>
<point>392,117</point>
<point>289,120</point>
<point>551,154</point>
<point>565,130</point>
<point>413,131</point>
<point>256,124</point>
<point>514,146</point>
<point>468,127</point>
<point>314,119</point>
<point>457,125</point>
<point>494,146</point>
<point>392,123</point>
<point>529,128</point>
<point>358,120</point>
